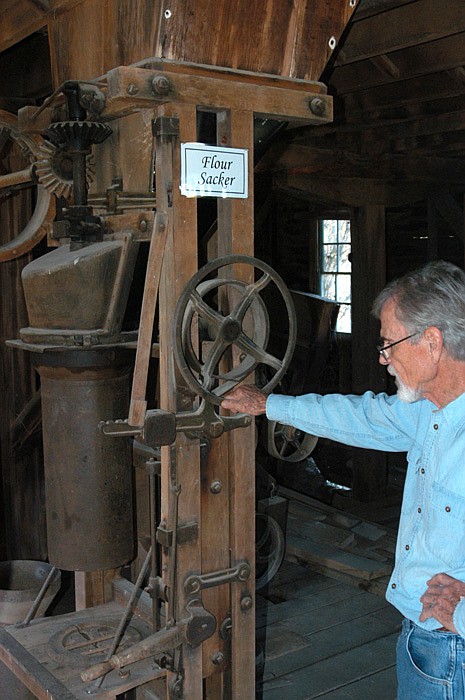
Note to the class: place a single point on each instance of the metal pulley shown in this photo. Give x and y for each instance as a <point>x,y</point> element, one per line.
<point>222,327</point>
<point>222,333</point>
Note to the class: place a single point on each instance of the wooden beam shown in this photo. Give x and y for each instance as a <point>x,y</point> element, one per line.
<point>43,5</point>
<point>180,463</point>
<point>409,93</point>
<point>368,278</point>
<point>135,88</point>
<point>400,27</point>
<point>354,191</point>
<point>236,236</point>
<point>298,159</point>
<point>417,60</point>
<point>21,18</point>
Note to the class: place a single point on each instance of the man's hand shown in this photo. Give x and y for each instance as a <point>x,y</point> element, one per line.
<point>245,399</point>
<point>440,599</point>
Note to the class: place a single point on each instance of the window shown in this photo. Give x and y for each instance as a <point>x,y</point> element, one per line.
<point>335,277</point>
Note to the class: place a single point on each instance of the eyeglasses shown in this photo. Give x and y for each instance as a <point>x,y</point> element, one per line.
<point>383,348</point>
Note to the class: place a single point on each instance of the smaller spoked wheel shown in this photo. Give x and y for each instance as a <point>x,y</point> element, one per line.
<point>288,443</point>
<point>269,549</point>
<point>224,326</point>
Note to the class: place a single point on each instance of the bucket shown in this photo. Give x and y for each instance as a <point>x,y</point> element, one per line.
<point>20,583</point>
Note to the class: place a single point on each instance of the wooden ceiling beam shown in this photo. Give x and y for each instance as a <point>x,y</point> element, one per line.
<point>367,8</point>
<point>442,54</point>
<point>400,27</point>
<point>43,5</point>
<point>301,160</point>
<point>337,191</point>
<point>391,96</point>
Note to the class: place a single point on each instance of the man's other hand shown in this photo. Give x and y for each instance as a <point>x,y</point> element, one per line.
<point>440,599</point>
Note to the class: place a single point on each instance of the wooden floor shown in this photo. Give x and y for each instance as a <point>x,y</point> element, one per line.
<point>325,638</point>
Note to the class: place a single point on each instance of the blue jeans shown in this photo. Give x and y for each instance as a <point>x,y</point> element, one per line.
<point>430,665</point>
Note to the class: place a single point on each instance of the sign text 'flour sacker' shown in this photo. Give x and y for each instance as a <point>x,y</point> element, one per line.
<point>213,171</point>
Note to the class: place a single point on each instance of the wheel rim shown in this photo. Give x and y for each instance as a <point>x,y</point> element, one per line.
<point>44,212</point>
<point>205,377</point>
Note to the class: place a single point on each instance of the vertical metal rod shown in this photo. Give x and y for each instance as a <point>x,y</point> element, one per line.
<point>119,632</point>
<point>153,535</point>
<point>36,604</point>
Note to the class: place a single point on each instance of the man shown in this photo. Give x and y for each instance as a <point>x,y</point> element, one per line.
<point>423,347</point>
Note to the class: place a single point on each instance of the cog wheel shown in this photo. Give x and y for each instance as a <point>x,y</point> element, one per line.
<point>63,133</point>
<point>54,170</point>
<point>13,140</point>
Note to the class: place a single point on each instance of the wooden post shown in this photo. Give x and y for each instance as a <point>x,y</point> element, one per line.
<point>235,217</point>
<point>368,278</point>
<point>180,463</point>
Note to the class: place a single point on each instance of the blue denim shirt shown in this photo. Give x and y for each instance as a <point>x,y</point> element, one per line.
<point>431,536</point>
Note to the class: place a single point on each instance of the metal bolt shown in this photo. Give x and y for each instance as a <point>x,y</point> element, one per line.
<point>226,628</point>
<point>318,106</point>
<point>143,225</point>
<point>216,429</point>
<point>244,572</point>
<point>246,603</point>
<point>218,658</point>
<point>161,85</point>
<point>332,43</point>
<point>216,486</point>
<point>167,14</point>
<point>132,89</point>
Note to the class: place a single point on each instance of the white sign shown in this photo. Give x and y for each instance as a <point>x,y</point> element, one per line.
<point>213,171</point>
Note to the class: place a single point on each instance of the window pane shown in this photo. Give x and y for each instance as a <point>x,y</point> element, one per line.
<point>343,324</point>
<point>329,231</point>
<point>328,286</point>
<point>344,262</point>
<point>336,269</point>
<point>343,288</point>
<point>344,231</point>
<point>330,258</point>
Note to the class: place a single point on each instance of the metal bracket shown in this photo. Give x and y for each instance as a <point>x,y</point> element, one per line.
<point>184,534</point>
<point>165,127</point>
<point>206,422</point>
<point>194,629</point>
<point>197,582</point>
<point>160,427</point>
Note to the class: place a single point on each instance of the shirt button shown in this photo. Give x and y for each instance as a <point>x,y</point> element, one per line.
<point>435,426</point>
<point>393,585</point>
<point>422,470</point>
<point>447,509</point>
<point>419,510</point>
<point>407,547</point>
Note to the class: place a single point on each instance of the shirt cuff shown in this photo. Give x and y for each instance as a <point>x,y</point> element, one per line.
<point>278,407</point>
<point>458,617</point>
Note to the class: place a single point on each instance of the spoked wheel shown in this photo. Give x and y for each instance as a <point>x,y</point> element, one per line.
<point>269,549</point>
<point>288,443</point>
<point>222,326</point>
<point>22,149</point>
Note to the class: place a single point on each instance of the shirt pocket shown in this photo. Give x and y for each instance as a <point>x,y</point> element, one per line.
<point>445,527</point>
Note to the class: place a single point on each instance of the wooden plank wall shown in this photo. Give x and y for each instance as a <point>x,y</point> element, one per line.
<point>88,37</point>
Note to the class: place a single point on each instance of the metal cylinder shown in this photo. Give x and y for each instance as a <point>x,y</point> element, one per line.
<point>88,475</point>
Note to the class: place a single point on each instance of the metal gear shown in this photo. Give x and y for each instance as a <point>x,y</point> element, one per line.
<point>63,133</point>
<point>54,170</point>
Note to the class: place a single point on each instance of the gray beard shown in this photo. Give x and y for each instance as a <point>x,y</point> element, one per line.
<point>404,392</point>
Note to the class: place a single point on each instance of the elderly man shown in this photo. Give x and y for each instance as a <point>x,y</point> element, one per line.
<point>423,347</point>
